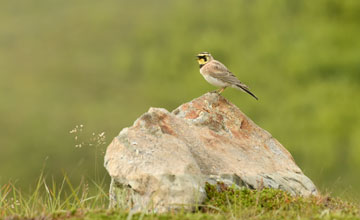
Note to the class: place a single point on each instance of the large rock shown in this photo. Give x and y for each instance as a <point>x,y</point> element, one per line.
<point>164,160</point>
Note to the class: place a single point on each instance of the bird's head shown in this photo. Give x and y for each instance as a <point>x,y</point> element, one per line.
<point>204,58</point>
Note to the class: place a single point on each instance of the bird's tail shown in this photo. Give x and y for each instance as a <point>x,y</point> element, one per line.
<point>246,89</point>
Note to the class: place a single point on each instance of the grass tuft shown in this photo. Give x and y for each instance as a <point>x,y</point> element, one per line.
<point>90,201</point>
<point>49,200</point>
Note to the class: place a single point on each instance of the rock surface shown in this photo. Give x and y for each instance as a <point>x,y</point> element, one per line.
<point>164,159</point>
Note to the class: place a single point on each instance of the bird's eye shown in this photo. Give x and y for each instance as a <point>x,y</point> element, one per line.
<point>202,58</point>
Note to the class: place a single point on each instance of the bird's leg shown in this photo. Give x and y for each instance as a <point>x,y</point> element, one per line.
<point>220,90</point>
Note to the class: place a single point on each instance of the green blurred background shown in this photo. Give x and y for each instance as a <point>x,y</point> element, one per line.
<point>104,63</point>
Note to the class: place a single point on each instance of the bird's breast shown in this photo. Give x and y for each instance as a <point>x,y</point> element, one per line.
<point>214,81</point>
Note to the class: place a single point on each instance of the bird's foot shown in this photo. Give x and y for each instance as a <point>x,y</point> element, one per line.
<point>218,91</point>
<point>221,90</point>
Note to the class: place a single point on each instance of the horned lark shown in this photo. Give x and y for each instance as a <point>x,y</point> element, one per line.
<point>218,75</point>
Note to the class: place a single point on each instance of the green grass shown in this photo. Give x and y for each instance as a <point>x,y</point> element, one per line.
<point>52,199</point>
<point>90,201</point>
<point>104,63</point>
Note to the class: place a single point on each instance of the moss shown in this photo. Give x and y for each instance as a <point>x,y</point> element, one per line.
<point>270,202</point>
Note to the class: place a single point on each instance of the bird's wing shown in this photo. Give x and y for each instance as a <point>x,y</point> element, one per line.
<point>220,71</point>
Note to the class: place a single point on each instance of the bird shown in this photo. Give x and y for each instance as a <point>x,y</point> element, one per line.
<point>218,74</point>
